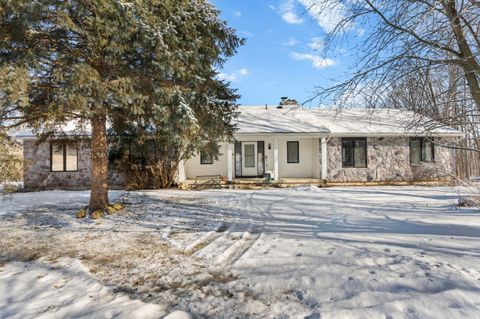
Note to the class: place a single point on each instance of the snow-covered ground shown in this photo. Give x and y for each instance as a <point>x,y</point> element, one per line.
<point>364,252</point>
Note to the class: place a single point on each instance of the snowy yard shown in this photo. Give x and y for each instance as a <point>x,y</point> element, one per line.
<point>378,252</point>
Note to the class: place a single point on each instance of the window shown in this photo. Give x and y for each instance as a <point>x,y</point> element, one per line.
<point>205,158</point>
<point>293,155</point>
<point>421,150</point>
<point>63,157</point>
<point>249,155</point>
<point>354,152</point>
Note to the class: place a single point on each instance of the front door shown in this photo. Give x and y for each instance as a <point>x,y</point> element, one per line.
<point>249,156</point>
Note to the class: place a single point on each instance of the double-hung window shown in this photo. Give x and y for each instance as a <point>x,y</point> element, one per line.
<point>293,152</point>
<point>421,150</point>
<point>354,152</point>
<point>63,156</point>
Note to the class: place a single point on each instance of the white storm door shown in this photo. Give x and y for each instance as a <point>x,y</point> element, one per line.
<point>249,159</point>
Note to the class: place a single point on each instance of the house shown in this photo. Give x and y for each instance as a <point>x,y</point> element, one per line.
<point>287,143</point>
<point>361,145</point>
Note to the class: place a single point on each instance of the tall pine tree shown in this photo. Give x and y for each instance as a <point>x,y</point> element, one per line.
<point>98,61</point>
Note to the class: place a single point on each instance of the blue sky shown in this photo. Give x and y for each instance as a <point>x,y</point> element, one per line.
<point>283,54</point>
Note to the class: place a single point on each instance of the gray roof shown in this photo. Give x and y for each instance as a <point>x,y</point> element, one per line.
<point>333,122</point>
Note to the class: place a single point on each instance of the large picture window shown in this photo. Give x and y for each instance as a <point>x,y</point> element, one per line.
<point>354,152</point>
<point>63,157</point>
<point>293,151</point>
<point>421,150</point>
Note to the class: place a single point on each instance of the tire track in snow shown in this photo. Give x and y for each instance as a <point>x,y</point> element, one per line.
<point>235,251</point>
<point>225,249</point>
<point>205,240</point>
<point>240,247</point>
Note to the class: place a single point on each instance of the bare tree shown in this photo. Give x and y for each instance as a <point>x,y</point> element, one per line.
<point>421,55</point>
<point>402,36</point>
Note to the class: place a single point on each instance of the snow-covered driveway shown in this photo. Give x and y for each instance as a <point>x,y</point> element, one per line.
<point>364,252</point>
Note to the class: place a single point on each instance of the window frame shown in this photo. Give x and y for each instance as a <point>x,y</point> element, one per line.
<point>354,139</point>
<point>422,146</point>
<point>205,160</point>
<point>297,143</point>
<point>64,145</point>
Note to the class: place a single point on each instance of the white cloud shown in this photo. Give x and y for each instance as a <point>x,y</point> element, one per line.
<point>291,18</point>
<point>233,76</point>
<point>328,14</point>
<point>291,42</point>
<point>316,44</point>
<point>317,61</point>
<point>287,11</point>
<point>271,6</point>
<point>237,13</point>
<point>243,72</point>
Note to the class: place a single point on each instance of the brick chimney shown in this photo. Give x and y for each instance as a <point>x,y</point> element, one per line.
<point>285,101</point>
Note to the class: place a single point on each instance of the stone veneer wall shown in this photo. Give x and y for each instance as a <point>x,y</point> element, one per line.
<point>37,174</point>
<point>388,159</point>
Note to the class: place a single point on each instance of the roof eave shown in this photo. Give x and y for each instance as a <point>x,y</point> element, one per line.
<point>353,134</point>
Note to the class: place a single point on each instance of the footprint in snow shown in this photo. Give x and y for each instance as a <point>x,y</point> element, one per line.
<point>372,272</point>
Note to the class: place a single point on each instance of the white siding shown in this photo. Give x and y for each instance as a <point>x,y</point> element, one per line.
<point>309,166</point>
<point>193,168</point>
<point>303,169</point>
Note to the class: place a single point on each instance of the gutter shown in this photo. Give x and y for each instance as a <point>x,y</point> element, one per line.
<point>349,134</point>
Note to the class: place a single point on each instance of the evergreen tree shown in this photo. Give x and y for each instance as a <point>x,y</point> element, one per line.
<point>99,61</point>
<point>10,163</point>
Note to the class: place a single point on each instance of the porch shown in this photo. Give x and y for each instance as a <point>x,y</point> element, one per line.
<point>289,159</point>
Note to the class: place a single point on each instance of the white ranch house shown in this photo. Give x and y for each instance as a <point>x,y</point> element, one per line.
<point>293,143</point>
<point>287,144</point>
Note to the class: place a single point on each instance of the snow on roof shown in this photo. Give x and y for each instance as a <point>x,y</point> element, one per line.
<point>71,128</point>
<point>331,122</point>
<point>359,122</point>
<point>273,120</point>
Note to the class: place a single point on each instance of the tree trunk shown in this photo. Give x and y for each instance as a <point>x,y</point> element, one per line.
<point>99,147</point>
<point>470,64</point>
